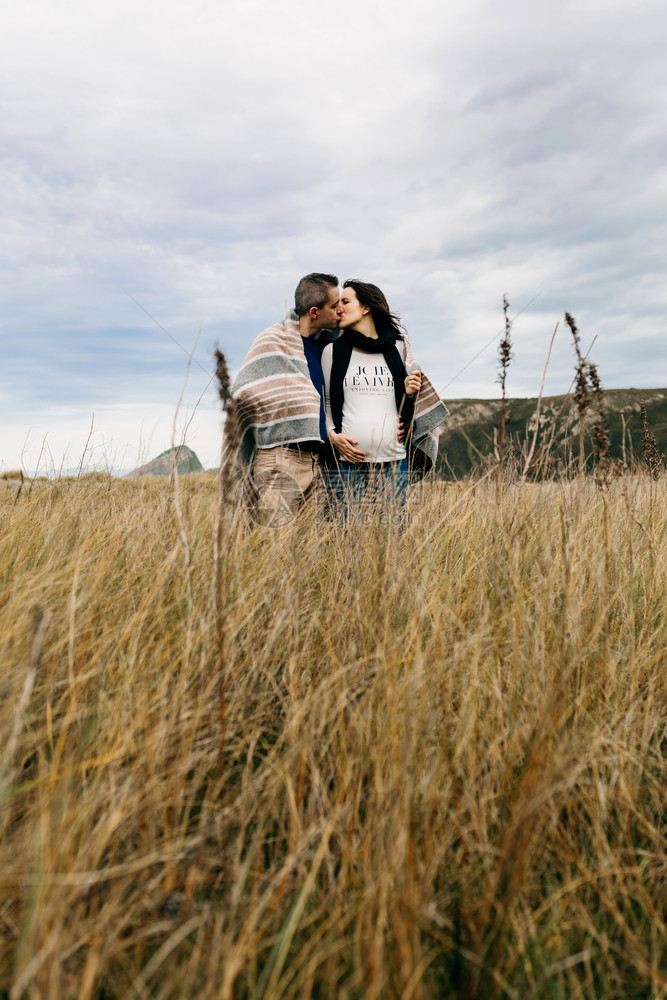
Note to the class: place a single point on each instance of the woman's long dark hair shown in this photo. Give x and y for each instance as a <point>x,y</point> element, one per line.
<point>371,296</point>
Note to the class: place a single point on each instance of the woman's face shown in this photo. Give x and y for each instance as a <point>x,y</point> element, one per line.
<point>353,311</point>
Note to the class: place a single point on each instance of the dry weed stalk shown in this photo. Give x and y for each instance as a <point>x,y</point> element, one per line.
<point>600,430</point>
<point>504,358</point>
<point>229,446</point>
<point>231,439</point>
<point>651,453</point>
<point>581,393</point>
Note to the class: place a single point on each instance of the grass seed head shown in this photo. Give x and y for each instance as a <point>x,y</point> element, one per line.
<point>223,377</point>
<point>601,444</point>
<point>651,452</point>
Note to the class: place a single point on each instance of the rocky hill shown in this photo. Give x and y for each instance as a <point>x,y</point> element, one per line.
<point>183,458</point>
<point>468,436</point>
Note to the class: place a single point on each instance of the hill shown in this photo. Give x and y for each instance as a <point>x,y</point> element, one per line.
<point>183,458</point>
<point>467,438</point>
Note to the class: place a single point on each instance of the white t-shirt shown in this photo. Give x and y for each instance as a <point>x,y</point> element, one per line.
<point>369,405</point>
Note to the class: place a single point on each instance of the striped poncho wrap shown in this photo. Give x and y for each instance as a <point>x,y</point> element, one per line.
<point>277,403</point>
<point>430,413</point>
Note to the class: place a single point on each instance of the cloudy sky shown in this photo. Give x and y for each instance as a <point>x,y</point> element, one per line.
<point>168,171</point>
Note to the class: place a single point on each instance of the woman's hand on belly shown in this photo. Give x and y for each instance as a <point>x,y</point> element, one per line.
<point>346,447</point>
<point>400,433</point>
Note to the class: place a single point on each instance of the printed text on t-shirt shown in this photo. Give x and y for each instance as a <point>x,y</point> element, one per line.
<point>369,378</point>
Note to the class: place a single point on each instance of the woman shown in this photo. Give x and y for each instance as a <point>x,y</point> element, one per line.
<point>371,379</point>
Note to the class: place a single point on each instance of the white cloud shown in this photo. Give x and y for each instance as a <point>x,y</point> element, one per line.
<point>116,438</point>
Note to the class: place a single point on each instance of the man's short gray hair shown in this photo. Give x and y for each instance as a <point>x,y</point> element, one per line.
<point>313,291</point>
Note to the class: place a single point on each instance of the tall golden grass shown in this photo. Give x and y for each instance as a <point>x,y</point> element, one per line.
<point>316,763</point>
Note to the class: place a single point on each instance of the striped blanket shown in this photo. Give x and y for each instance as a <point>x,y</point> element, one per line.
<point>430,413</point>
<point>277,404</point>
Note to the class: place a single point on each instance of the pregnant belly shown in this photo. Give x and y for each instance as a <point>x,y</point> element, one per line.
<point>377,440</point>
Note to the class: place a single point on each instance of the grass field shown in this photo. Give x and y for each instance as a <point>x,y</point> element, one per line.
<point>309,763</point>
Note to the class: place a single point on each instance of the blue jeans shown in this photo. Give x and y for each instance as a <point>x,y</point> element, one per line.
<point>367,491</point>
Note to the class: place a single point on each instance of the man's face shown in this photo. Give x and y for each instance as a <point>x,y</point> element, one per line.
<point>328,316</point>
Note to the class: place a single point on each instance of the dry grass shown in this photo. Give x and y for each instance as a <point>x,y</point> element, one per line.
<point>421,766</point>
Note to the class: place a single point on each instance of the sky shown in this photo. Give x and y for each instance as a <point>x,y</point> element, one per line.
<point>168,171</point>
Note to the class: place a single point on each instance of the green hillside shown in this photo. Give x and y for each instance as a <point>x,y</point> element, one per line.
<point>467,439</point>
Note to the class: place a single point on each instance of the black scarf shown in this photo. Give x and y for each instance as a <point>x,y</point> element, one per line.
<point>384,344</point>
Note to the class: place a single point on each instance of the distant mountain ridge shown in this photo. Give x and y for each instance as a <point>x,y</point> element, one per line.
<point>182,458</point>
<point>467,438</point>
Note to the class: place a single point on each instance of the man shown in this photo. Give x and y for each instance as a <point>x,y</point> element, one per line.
<point>279,428</point>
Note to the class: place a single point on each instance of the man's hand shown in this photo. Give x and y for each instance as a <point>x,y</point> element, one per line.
<point>346,447</point>
<point>413,383</point>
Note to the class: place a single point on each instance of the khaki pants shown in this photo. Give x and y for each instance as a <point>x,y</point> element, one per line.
<point>281,481</point>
